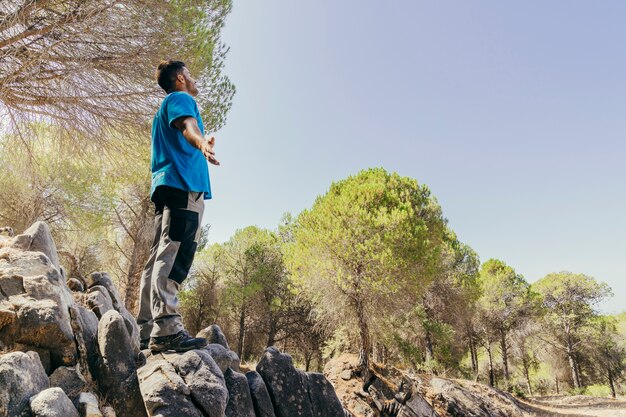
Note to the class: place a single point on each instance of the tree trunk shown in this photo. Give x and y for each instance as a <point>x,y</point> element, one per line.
<point>573,363</point>
<point>364,333</point>
<point>429,346</point>
<point>142,230</point>
<point>505,358</point>
<point>526,367</point>
<point>611,384</point>
<point>556,382</point>
<point>271,334</point>
<point>242,331</point>
<point>492,379</point>
<point>472,349</point>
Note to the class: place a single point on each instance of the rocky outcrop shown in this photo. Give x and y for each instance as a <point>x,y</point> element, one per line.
<point>189,384</point>
<point>52,403</point>
<point>83,337</point>
<point>34,307</point>
<point>295,393</point>
<point>214,335</point>
<point>260,396</point>
<point>239,399</point>
<point>21,377</point>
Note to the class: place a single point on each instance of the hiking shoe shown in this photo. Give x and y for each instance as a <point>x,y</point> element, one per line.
<point>143,344</point>
<point>179,342</point>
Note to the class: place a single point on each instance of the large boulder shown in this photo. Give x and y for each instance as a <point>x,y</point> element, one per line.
<point>472,399</point>
<point>260,397</point>
<point>223,357</point>
<point>21,377</point>
<point>115,371</point>
<point>52,403</point>
<point>36,314</point>
<point>286,385</point>
<point>87,404</point>
<point>177,384</point>
<point>70,380</point>
<point>37,238</point>
<point>103,283</point>
<point>324,401</point>
<point>214,334</point>
<point>239,399</point>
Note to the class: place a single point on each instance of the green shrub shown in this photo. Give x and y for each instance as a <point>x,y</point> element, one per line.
<point>598,390</point>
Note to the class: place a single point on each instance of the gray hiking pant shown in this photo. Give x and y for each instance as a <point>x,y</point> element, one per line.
<point>177,230</point>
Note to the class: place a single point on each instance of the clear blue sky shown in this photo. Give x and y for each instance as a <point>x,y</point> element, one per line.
<point>513,113</point>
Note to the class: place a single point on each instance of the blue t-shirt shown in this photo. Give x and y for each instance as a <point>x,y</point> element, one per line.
<point>175,162</point>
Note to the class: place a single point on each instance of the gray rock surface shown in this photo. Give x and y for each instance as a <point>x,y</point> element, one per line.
<point>69,380</point>
<point>99,300</point>
<point>286,385</point>
<point>102,280</point>
<point>115,372</point>
<point>52,402</point>
<point>214,334</point>
<point>260,397</point>
<point>37,238</point>
<point>239,399</point>
<point>324,401</point>
<point>223,357</point>
<point>87,405</point>
<point>177,384</point>
<point>75,285</point>
<point>38,317</point>
<point>21,377</point>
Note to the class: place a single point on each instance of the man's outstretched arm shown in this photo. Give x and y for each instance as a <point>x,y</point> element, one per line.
<point>190,130</point>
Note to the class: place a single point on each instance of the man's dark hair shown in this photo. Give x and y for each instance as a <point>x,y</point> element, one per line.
<point>166,74</point>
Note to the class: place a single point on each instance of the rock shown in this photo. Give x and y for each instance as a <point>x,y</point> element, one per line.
<point>286,385</point>
<point>190,383</point>
<point>44,355</point>
<point>11,285</point>
<point>87,322</point>
<point>108,412</point>
<point>75,285</point>
<point>69,380</point>
<point>87,405</point>
<point>223,357</point>
<point>38,238</point>
<point>99,300</point>
<point>260,397</point>
<point>7,314</point>
<point>115,372</point>
<point>21,377</point>
<point>214,334</point>
<point>239,399</point>
<point>473,400</point>
<point>45,324</point>
<point>38,317</point>
<point>102,279</point>
<point>419,407</point>
<point>324,401</point>
<point>346,375</point>
<point>52,402</point>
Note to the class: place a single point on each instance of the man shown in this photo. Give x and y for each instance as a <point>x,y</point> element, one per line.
<point>180,184</point>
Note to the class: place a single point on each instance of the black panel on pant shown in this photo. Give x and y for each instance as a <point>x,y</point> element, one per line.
<point>174,198</point>
<point>183,228</point>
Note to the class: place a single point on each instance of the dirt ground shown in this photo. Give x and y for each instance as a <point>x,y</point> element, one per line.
<point>576,406</point>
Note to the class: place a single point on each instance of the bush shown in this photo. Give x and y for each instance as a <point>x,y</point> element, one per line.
<point>598,390</point>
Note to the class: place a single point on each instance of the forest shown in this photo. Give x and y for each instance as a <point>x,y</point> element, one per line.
<point>372,267</point>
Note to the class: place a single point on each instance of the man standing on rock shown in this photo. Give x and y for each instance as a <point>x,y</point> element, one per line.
<point>180,184</point>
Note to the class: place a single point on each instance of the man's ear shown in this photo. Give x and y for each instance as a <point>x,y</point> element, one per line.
<point>180,78</point>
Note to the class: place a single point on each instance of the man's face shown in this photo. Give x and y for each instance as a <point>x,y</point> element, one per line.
<point>189,82</point>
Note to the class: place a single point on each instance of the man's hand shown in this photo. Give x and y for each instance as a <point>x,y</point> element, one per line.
<point>208,152</point>
<point>189,127</point>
